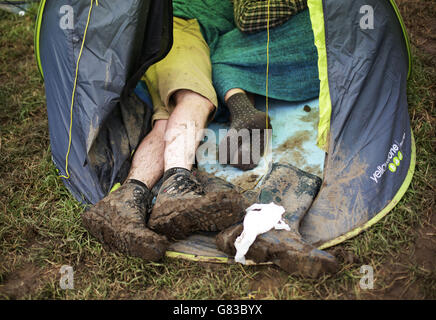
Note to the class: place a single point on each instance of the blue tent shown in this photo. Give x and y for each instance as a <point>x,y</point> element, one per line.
<point>98,114</point>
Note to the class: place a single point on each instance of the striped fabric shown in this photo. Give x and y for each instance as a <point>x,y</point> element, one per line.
<point>252,15</point>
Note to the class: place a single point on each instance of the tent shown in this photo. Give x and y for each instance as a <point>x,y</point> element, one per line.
<point>93,53</point>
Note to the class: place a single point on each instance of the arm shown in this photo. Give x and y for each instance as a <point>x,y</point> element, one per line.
<point>252,15</point>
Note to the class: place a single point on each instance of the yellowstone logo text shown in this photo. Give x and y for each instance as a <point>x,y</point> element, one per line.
<point>392,162</point>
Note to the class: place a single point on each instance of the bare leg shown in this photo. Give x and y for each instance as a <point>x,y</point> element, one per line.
<point>148,164</point>
<point>182,205</point>
<point>172,143</point>
<point>118,220</point>
<point>183,128</point>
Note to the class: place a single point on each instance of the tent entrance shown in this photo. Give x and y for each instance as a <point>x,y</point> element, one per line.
<point>294,138</point>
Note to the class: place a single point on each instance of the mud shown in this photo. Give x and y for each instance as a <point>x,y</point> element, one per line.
<point>246,181</point>
<point>409,274</point>
<point>293,149</point>
<point>225,239</point>
<point>312,117</point>
<point>402,281</point>
<point>294,157</point>
<point>354,210</point>
<point>292,188</point>
<point>178,218</point>
<point>134,115</point>
<point>268,281</point>
<point>296,141</point>
<point>212,183</point>
<point>335,212</point>
<point>419,256</point>
<point>118,222</point>
<point>425,246</point>
<point>195,202</point>
<point>19,283</point>
<point>315,169</point>
<point>94,129</point>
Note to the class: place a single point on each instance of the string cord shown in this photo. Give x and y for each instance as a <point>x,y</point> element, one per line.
<point>266,97</point>
<point>267,78</point>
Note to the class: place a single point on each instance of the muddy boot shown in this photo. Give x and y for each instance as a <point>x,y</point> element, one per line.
<point>118,222</point>
<point>212,183</point>
<point>294,190</point>
<point>244,118</point>
<point>183,206</point>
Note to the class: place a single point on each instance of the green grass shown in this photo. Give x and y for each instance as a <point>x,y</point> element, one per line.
<point>40,227</point>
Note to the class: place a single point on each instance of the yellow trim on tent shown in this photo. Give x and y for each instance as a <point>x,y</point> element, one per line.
<point>193,257</point>
<point>197,258</point>
<point>406,38</point>
<point>115,187</point>
<point>325,104</point>
<point>37,36</point>
<point>400,193</point>
<point>73,95</point>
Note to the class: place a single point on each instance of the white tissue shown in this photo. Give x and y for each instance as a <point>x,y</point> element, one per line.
<point>260,218</point>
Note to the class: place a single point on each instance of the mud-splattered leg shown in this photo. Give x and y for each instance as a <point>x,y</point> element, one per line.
<point>185,128</point>
<point>182,205</point>
<point>148,161</point>
<point>118,221</point>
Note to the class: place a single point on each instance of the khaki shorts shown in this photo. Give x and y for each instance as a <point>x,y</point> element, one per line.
<point>187,66</point>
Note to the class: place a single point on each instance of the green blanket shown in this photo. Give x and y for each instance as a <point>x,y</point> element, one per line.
<point>239,60</point>
<point>215,17</point>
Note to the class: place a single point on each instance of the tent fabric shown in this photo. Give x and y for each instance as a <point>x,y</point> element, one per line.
<point>325,104</point>
<point>108,120</point>
<point>370,142</point>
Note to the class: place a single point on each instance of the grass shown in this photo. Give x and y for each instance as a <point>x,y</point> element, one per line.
<point>40,228</point>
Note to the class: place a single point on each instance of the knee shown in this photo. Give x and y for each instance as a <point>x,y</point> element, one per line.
<point>192,99</point>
